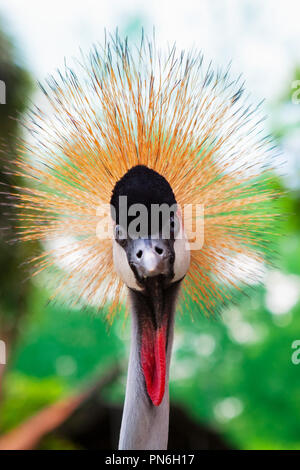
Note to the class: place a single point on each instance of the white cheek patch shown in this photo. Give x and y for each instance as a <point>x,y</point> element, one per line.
<point>122,267</point>
<point>182,258</point>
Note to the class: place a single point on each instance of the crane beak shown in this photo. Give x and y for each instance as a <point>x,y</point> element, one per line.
<point>149,272</point>
<point>154,333</point>
<point>152,261</point>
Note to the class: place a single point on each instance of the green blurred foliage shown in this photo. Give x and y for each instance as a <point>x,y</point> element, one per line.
<point>283,128</point>
<point>25,395</point>
<point>69,344</point>
<point>248,389</point>
<point>18,85</point>
<point>13,291</point>
<point>288,94</point>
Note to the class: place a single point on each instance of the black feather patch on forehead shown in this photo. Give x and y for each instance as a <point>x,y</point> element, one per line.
<point>141,185</point>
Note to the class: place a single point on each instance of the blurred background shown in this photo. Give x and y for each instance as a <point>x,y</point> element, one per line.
<point>235,382</point>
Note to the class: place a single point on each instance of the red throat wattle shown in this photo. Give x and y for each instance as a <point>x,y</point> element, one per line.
<point>153,360</point>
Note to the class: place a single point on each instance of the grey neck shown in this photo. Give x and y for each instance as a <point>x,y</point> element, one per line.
<point>145,426</point>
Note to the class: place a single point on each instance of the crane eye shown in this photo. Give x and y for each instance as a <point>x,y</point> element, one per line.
<point>174,226</point>
<point>121,235</point>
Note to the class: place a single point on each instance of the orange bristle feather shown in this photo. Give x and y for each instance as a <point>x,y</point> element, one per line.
<point>186,122</point>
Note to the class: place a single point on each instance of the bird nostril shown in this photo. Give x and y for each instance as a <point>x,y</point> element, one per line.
<point>159,250</point>
<point>139,254</point>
